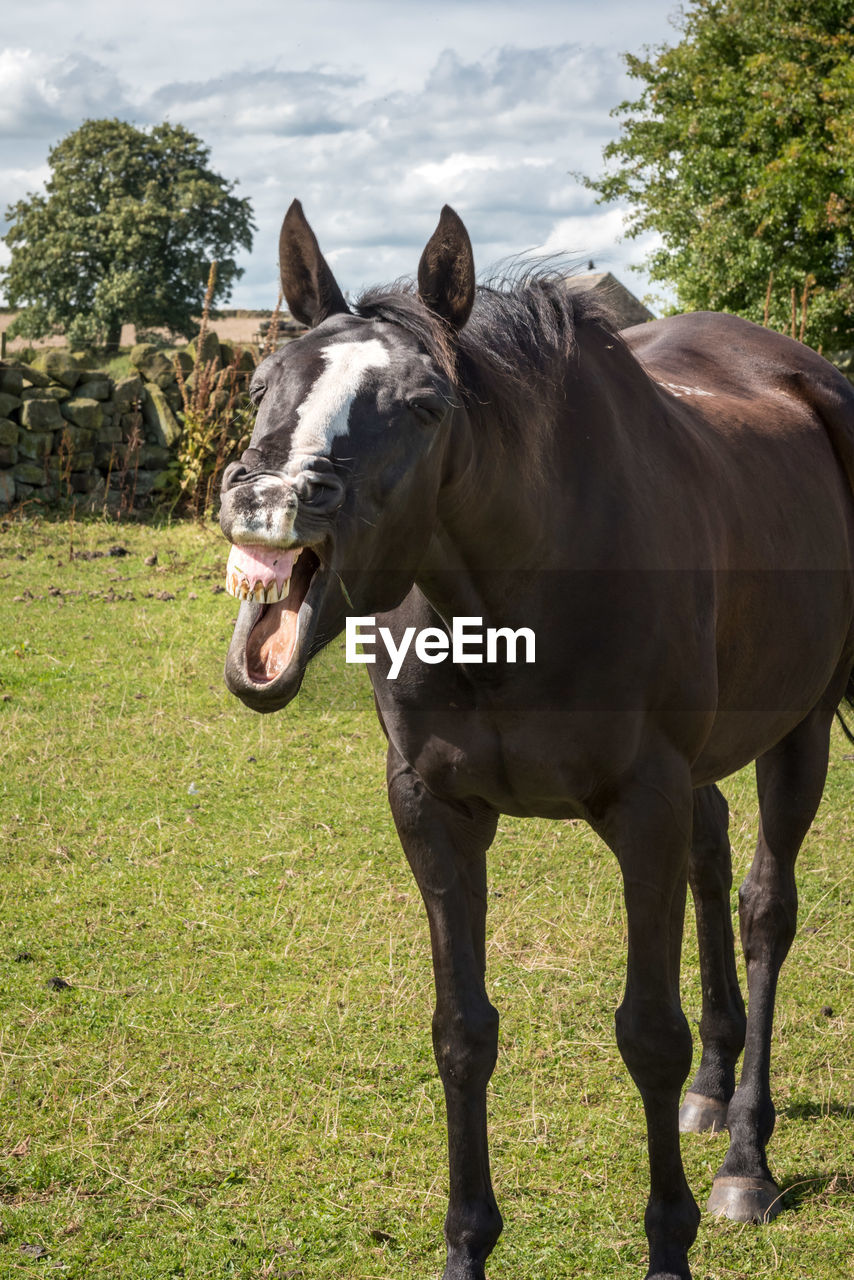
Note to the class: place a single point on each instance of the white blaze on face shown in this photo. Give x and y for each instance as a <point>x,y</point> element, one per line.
<point>325,412</point>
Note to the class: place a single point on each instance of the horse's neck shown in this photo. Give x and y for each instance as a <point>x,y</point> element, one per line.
<point>496,518</point>
<point>547,496</point>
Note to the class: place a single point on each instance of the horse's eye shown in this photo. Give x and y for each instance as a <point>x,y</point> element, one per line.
<point>427,407</point>
<point>256,392</point>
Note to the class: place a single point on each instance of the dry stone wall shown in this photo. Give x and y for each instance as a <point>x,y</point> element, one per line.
<point>68,432</point>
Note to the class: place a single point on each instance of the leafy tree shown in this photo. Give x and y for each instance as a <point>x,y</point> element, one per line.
<point>740,153</point>
<point>125,234</point>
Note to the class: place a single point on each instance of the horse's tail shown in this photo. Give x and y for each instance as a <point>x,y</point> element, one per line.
<point>848,697</point>
<point>831,396</point>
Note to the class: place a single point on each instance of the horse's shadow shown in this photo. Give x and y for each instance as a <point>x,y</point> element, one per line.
<point>815,1110</point>
<point>807,1187</point>
<point>811,1187</point>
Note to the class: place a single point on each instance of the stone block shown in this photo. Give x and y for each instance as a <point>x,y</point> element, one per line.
<point>98,499</point>
<point>11,380</point>
<point>8,431</point>
<point>107,455</point>
<point>127,392</point>
<point>83,481</point>
<point>83,412</point>
<point>8,404</point>
<point>94,388</point>
<point>7,488</point>
<point>110,433</point>
<point>174,398</point>
<point>35,445</point>
<point>47,494</point>
<point>53,392</point>
<point>159,417</point>
<point>142,483</point>
<point>151,361</point>
<point>33,376</point>
<point>82,461</point>
<point>207,351</point>
<point>41,415</point>
<point>58,366</point>
<point>30,473</point>
<point>246,359</point>
<point>8,455</point>
<point>154,456</point>
<point>77,437</point>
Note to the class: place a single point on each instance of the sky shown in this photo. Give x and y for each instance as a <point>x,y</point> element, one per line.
<point>374,113</point>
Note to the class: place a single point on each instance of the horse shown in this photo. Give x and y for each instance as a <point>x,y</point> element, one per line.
<point>669,510</point>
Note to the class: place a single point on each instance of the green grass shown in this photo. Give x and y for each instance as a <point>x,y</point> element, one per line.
<point>239,1079</point>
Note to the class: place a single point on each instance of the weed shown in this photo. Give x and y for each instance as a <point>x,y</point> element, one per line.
<point>215,419</point>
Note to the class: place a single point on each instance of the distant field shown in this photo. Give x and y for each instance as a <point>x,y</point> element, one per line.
<point>238,1079</point>
<point>235,327</point>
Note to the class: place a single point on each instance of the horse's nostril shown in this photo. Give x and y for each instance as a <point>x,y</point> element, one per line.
<point>233,474</point>
<point>320,490</point>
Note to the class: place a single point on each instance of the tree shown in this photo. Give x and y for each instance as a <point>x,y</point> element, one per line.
<point>125,233</point>
<point>739,152</point>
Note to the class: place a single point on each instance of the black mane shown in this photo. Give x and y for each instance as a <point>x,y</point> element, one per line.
<point>521,333</point>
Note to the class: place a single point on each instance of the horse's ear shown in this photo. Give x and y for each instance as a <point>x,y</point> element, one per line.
<point>446,271</point>
<point>308,284</point>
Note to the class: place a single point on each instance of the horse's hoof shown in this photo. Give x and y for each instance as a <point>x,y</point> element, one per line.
<point>698,1114</point>
<point>745,1199</point>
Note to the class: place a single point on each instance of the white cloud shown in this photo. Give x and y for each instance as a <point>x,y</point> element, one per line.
<point>41,96</point>
<point>455,168</point>
<point>594,233</point>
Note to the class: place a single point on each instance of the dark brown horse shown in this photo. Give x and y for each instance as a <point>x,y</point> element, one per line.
<point>671,512</point>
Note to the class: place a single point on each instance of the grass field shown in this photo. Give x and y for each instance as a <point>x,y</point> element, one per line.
<point>238,1079</point>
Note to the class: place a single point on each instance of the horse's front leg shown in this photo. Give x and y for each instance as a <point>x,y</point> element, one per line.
<point>649,828</point>
<point>446,845</point>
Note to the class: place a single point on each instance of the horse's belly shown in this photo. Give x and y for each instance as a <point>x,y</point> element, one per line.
<point>783,649</point>
<point>547,763</point>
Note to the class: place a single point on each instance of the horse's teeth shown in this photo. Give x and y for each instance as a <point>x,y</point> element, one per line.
<point>238,585</point>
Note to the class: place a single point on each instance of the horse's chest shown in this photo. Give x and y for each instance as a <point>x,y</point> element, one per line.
<point>520,764</point>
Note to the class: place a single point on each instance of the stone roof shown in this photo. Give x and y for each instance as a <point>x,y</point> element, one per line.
<point>627,308</point>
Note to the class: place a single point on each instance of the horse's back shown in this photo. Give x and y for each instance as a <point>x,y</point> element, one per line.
<point>710,354</point>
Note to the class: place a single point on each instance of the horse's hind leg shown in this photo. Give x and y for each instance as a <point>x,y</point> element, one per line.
<point>446,847</point>
<point>790,780</point>
<point>722,1024</point>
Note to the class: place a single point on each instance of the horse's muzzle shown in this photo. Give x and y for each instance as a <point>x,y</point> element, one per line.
<point>266,505</point>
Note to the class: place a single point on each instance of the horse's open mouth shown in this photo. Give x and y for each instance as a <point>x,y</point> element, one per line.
<point>278,580</point>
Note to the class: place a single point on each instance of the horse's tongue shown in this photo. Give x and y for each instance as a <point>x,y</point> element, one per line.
<point>258,564</point>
